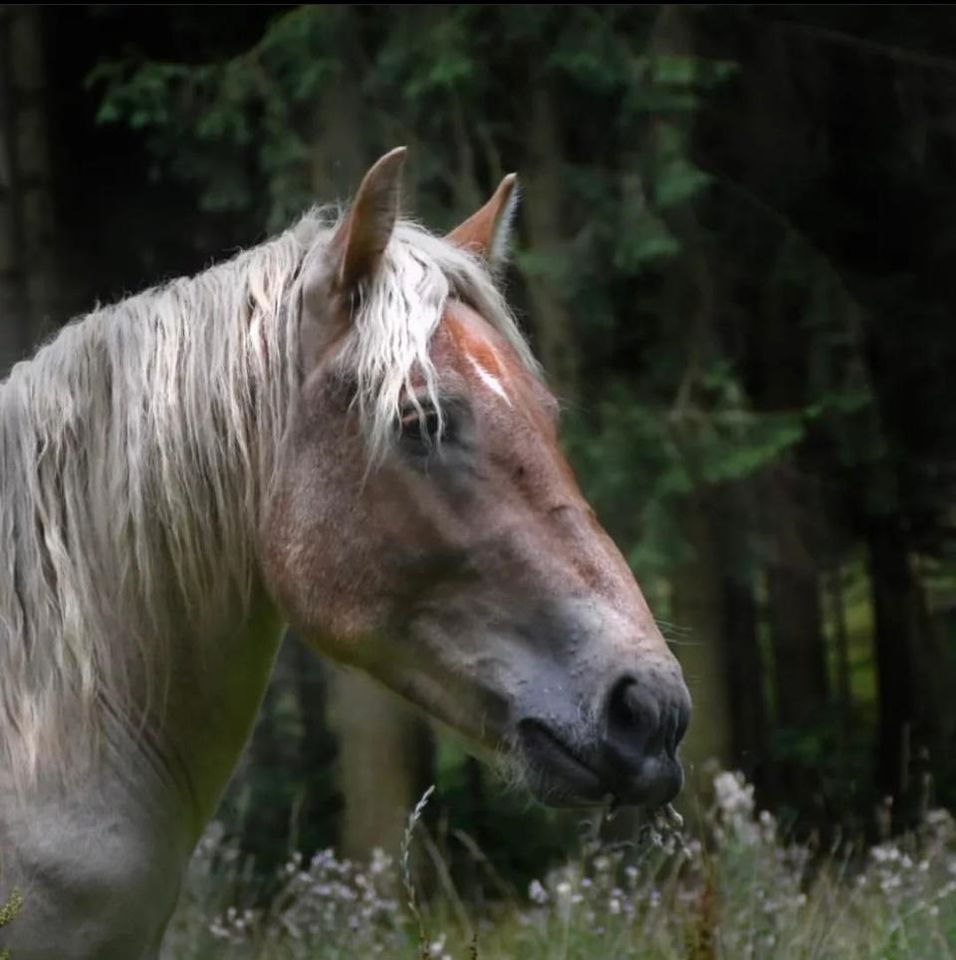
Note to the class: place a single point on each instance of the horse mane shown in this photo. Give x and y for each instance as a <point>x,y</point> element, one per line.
<point>135,451</point>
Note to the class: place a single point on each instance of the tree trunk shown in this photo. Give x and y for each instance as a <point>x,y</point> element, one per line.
<point>748,703</point>
<point>384,762</point>
<point>13,297</point>
<point>698,598</point>
<point>841,641</point>
<point>909,728</point>
<point>29,300</point>
<point>796,617</point>
<point>698,608</point>
<point>547,235</point>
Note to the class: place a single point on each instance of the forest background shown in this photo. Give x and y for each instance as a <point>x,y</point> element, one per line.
<point>735,258</point>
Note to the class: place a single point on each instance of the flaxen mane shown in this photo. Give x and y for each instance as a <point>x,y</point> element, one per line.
<point>135,450</point>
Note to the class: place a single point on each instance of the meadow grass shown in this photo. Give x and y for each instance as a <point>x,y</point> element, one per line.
<point>8,912</point>
<point>742,891</point>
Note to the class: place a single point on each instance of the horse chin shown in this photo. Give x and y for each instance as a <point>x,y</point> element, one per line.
<point>554,774</point>
<point>564,794</point>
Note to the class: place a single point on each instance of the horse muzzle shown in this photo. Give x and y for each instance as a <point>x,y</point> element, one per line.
<point>629,753</point>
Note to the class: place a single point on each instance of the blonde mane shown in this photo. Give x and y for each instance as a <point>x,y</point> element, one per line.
<point>137,447</point>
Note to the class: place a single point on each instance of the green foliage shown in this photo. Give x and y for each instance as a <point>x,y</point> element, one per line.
<point>234,125</point>
<point>667,452</point>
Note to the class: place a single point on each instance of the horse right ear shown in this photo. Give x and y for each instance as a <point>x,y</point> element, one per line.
<point>351,258</point>
<point>487,231</point>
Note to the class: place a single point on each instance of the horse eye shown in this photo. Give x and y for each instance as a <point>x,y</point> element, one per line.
<point>421,426</point>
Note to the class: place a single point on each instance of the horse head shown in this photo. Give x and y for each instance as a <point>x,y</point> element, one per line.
<point>424,526</point>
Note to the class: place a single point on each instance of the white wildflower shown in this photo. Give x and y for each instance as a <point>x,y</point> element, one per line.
<point>536,893</point>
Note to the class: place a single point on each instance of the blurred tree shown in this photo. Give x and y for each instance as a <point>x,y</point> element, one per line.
<point>29,293</point>
<point>384,763</point>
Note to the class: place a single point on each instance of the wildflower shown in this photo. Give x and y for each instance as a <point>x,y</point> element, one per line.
<point>536,893</point>
<point>735,797</point>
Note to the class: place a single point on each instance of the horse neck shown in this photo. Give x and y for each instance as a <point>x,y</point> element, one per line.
<point>163,747</point>
<point>122,833</point>
<point>212,700</point>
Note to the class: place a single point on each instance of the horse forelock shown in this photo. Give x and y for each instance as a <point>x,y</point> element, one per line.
<point>398,314</point>
<point>136,447</point>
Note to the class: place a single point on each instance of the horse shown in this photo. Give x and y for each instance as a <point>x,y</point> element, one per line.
<point>342,430</point>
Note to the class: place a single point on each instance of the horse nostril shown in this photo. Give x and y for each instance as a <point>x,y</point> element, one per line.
<point>633,716</point>
<point>646,717</point>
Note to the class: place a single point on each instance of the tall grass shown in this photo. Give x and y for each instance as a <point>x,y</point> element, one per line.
<point>745,892</point>
<point>8,912</point>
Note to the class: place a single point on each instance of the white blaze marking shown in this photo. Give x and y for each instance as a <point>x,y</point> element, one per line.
<point>491,382</point>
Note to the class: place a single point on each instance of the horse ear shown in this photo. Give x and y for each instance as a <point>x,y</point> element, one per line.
<point>486,232</point>
<point>362,237</point>
<point>335,270</point>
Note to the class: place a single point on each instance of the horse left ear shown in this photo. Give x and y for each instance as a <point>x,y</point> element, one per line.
<point>335,270</point>
<point>486,232</point>
<point>365,232</point>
